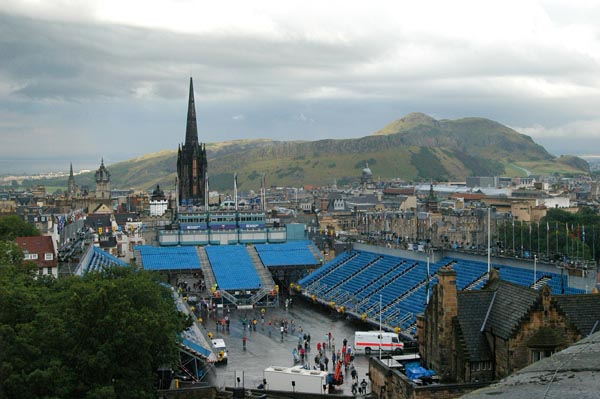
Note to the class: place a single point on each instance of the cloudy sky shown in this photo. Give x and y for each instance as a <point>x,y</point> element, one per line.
<point>81,80</point>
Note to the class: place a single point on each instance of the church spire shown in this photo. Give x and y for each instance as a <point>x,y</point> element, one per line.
<point>191,131</point>
<point>71,172</point>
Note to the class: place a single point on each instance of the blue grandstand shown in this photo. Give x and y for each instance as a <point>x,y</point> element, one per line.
<point>233,267</point>
<point>326,268</point>
<point>372,285</point>
<point>293,253</point>
<point>169,258</point>
<point>471,272</point>
<point>97,260</point>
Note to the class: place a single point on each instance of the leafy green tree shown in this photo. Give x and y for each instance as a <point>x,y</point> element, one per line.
<point>10,253</point>
<point>99,336</point>
<point>13,226</point>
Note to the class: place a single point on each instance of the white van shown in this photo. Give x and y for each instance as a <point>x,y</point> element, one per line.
<point>220,349</point>
<point>368,341</point>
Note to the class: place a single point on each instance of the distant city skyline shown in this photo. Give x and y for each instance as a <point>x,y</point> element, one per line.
<point>93,79</point>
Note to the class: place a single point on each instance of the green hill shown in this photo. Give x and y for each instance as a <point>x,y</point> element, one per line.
<point>416,147</point>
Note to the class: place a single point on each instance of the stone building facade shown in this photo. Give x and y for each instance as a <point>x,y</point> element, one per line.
<point>102,178</point>
<point>485,335</point>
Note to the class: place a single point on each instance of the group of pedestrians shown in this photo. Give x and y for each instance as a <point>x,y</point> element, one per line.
<point>326,353</point>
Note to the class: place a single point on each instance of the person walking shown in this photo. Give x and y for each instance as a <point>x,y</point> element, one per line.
<point>354,375</point>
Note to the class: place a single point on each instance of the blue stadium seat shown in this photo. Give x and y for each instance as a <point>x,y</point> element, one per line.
<point>233,267</point>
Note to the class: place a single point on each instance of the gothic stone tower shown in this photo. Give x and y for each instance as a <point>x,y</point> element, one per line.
<point>71,187</point>
<point>191,161</point>
<point>102,182</point>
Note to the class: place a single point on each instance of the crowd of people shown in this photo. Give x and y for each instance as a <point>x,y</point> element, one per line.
<point>326,353</point>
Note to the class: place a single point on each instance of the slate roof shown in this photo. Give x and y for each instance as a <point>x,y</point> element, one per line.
<point>124,217</point>
<point>498,309</point>
<point>95,220</point>
<point>582,310</point>
<point>512,303</point>
<point>472,310</point>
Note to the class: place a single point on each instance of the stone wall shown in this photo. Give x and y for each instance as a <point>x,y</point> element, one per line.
<point>387,383</point>
<point>436,345</point>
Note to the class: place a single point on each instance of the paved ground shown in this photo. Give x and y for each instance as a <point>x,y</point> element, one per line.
<point>263,350</point>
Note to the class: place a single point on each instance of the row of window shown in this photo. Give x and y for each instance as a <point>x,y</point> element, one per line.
<point>47,256</point>
<point>540,354</point>
<point>536,355</point>
<point>48,271</point>
<point>481,366</point>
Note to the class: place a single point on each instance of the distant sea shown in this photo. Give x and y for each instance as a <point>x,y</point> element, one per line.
<point>42,166</point>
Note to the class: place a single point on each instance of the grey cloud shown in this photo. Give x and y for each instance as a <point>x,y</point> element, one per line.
<point>122,91</point>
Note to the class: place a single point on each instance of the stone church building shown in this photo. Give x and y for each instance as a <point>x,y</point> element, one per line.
<point>192,162</point>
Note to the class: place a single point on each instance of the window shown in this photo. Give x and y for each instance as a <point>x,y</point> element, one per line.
<point>541,354</point>
<point>49,270</point>
<point>31,256</point>
<point>48,256</point>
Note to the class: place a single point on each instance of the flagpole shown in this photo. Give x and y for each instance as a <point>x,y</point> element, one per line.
<point>556,233</point>
<point>594,244</point>
<point>530,245</point>
<point>521,235</point>
<point>534,268</point>
<point>513,228</point>
<point>538,237</point>
<point>567,240</point>
<point>380,333</point>
<point>235,192</point>
<point>489,246</point>
<point>547,240</point>
<point>428,253</point>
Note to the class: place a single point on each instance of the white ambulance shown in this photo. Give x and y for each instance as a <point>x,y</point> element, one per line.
<point>369,341</point>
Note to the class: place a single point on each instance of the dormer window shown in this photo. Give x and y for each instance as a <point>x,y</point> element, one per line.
<point>48,256</point>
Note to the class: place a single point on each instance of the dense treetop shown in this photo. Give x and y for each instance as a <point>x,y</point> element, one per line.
<point>99,336</point>
<point>14,226</point>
